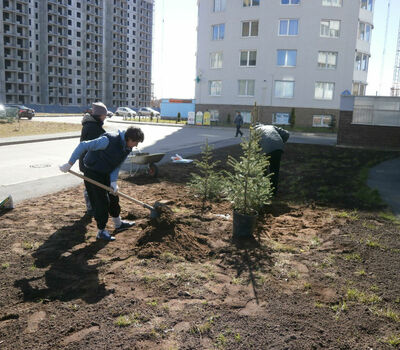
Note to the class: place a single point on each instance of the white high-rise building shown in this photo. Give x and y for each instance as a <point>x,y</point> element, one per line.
<point>282,54</point>
<point>74,52</point>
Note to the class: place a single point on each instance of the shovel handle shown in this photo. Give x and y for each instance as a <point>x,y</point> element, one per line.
<point>109,189</point>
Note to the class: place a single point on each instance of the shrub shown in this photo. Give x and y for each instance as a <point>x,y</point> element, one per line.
<point>178,118</point>
<point>228,118</point>
<point>207,184</point>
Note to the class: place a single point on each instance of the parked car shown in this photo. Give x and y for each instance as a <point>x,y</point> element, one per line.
<point>125,112</point>
<point>23,111</point>
<point>148,112</point>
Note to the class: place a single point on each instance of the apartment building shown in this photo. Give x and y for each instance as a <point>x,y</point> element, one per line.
<point>282,55</point>
<point>74,52</point>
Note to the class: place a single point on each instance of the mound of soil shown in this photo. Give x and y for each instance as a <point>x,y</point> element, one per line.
<point>168,233</point>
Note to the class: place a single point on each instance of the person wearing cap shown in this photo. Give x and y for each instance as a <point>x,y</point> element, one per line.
<point>102,162</point>
<point>272,142</point>
<point>92,128</point>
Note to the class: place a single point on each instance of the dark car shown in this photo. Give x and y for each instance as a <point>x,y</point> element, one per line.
<point>23,111</point>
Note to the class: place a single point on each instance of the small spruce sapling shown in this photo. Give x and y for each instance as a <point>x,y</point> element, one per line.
<point>207,183</point>
<point>178,118</point>
<point>247,187</point>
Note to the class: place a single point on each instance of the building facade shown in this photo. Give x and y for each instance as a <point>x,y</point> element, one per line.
<point>74,52</point>
<point>282,55</point>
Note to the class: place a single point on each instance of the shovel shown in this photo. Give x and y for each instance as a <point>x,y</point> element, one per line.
<point>153,209</point>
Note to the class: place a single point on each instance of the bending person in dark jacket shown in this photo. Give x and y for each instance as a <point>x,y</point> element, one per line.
<point>272,141</point>
<point>102,162</point>
<point>92,128</point>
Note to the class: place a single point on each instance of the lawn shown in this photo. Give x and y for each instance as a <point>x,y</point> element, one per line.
<point>29,127</point>
<point>322,271</point>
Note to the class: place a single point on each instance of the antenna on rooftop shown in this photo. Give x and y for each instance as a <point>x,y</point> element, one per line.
<point>395,90</point>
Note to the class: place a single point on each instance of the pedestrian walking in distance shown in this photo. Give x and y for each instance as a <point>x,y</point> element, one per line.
<point>102,162</point>
<point>239,122</point>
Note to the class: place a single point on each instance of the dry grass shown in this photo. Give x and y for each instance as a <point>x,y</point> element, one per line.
<point>29,127</point>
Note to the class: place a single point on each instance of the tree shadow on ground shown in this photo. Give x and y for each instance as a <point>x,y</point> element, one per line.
<point>70,275</point>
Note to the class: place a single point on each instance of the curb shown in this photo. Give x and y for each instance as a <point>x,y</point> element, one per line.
<point>51,138</point>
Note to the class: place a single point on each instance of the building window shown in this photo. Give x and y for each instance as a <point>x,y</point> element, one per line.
<point>359,89</point>
<point>324,91</point>
<point>327,59</point>
<point>333,3</point>
<point>249,28</point>
<point>214,115</point>
<point>214,87</point>
<point>281,118</point>
<point>322,121</point>
<point>330,28</point>
<point>248,58</point>
<point>366,4</point>
<point>361,62</point>
<point>218,31</point>
<point>364,31</point>
<point>248,3</point>
<point>216,60</point>
<point>286,58</point>
<point>288,27</point>
<point>219,5</point>
<point>246,87</point>
<point>284,89</point>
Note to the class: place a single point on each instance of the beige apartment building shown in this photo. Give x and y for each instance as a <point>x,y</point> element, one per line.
<point>282,54</point>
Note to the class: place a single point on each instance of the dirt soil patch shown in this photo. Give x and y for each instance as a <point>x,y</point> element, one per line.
<point>322,270</point>
<point>29,127</point>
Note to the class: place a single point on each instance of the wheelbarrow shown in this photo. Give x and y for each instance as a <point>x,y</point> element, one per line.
<point>144,162</point>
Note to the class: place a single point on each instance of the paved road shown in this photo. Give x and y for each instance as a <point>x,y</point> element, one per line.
<point>31,170</point>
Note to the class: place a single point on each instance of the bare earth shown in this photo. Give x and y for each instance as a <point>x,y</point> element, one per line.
<point>318,275</point>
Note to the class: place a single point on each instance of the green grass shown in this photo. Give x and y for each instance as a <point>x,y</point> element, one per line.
<point>352,257</point>
<point>393,340</point>
<point>388,313</point>
<point>390,217</point>
<point>123,321</point>
<point>351,215</point>
<point>354,294</point>
<point>5,265</point>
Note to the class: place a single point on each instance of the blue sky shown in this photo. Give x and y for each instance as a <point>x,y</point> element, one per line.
<point>174,48</point>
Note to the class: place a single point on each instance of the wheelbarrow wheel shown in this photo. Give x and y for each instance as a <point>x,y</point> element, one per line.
<point>152,170</point>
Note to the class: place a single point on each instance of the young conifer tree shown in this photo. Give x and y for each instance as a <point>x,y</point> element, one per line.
<point>207,183</point>
<point>247,186</point>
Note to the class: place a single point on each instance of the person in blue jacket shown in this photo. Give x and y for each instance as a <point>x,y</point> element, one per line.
<point>102,162</point>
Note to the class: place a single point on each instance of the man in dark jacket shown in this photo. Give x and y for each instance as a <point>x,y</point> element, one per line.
<point>272,142</point>
<point>92,128</point>
<point>102,162</point>
<point>239,122</point>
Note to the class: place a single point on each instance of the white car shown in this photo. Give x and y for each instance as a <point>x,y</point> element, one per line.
<point>148,112</point>
<point>125,112</point>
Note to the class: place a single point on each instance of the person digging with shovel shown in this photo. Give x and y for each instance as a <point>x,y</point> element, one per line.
<point>102,162</point>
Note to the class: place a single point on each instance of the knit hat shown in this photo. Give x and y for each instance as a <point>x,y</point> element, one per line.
<point>99,108</point>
